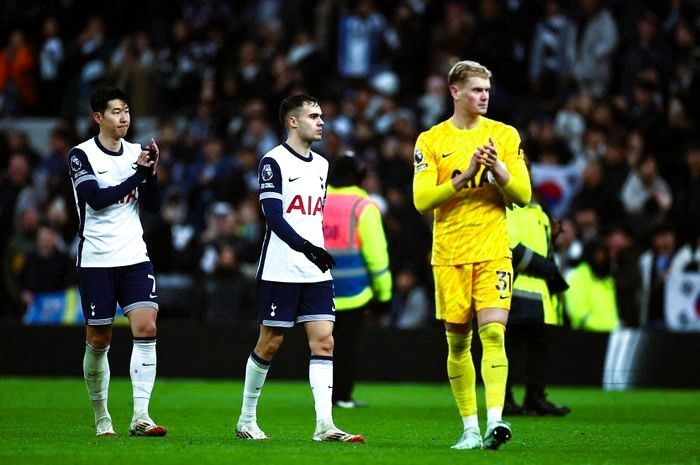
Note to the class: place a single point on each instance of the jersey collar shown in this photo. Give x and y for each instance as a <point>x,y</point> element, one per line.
<point>296,154</point>
<point>107,151</point>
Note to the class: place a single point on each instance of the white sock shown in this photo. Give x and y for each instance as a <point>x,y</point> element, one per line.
<point>143,375</point>
<point>96,373</point>
<point>321,380</point>
<point>255,373</point>
<point>471,422</point>
<point>494,414</point>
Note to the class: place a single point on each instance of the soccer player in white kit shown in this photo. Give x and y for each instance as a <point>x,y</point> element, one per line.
<point>113,179</point>
<point>296,286</point>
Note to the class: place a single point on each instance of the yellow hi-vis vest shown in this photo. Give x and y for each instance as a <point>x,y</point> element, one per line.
<point>532,302</point>
<point>591,301</point>
<point>353,234</point>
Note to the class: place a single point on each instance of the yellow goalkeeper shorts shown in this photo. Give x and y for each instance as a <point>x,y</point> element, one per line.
<point>462,289</point>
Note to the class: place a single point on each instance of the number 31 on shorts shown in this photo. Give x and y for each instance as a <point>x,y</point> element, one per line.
<point>505,281</point>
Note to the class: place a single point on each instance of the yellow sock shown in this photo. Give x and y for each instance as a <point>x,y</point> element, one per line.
<point>494,363</point>
<point>460,370</point>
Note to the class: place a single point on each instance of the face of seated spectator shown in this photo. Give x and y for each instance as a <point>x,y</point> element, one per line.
<point>615,152</point>
<point>692,157</point>
<point>28,221</point>
<point>174,210</point>
<point>405,281</point>
<point>663,242</point>
<point>617,240</point>
<point>224,219</point>
<point>592,175</point>
<point>213,150</point>
<point>46,241</point>
<point>567,233</point>
<point>647,170</point>
<point>18,169</point>
<point>597,256</point>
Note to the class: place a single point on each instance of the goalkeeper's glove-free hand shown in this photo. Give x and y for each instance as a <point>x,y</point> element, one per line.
<point>318,256</point>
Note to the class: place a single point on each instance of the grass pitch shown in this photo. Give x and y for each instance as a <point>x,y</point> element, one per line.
<point>49,421</point>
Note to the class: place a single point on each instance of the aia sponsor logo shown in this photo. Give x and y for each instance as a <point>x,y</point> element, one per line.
<point>307,206</point>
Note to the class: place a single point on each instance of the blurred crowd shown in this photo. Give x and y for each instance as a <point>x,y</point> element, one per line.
<point>605,94</point>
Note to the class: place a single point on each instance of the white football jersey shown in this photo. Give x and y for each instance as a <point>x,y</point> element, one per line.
<point>300,183</point>
<point>112,236</point>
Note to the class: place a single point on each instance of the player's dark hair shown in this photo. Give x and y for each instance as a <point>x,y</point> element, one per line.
<point>293,102</point>
<point>101,97</point>
<point>347,170</point>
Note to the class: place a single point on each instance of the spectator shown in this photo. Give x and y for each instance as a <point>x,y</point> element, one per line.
<point>646,197</point>
<point>20,245</point>
<point>177,65</point>
<point>596,194</point>
<point>361,41</point>
<point>411,307</point>
<point>51,69</point>
<point>433,103</point>
<point>654,267</point>
<point>47,269</point>
<point>88,63</point>
<point>591,303</point>
<point>687,259</point>
<point>649,50</point>
<point>552,54</point>
<point>18,91</point>
<point>686,206</point>
<point>133,67</point>
<point>597,40</point>
<point>568,249</point>
<point>15,181</point>
<point>227,293</point>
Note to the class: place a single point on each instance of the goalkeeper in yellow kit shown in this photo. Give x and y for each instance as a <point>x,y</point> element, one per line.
<point>466,170</point>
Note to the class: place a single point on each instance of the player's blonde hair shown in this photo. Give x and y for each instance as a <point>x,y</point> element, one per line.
<point>465,69</point>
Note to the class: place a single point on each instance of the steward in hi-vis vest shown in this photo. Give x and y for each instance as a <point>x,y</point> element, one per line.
<point>534,306</point>
<point>353,234</point>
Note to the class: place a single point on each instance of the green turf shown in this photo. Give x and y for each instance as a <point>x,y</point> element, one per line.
<point>50,421</point>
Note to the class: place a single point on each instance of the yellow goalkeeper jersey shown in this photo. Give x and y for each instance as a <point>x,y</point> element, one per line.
<point>469,225</point>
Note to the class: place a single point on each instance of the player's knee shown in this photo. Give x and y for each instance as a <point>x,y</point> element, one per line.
<point>322,345</point>
<point>458,343</point>
<point>493,333</point>
<point>269,347</point>
<point>98,341</point>
<point>145,328</point>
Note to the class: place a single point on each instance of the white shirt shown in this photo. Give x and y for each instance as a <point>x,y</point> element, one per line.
<point>112,236</point>
<point>300,183</point>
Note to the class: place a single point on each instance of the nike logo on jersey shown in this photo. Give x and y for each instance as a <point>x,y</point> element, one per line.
<point>133,166</point>
<point>499,366</point>
<point>102,172</point>
<point>148,364</point>
<point>502,297</point>
<point>455,377</point>
<point>291,179</point>
<point>445,155</point>
<point>152,296</point>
